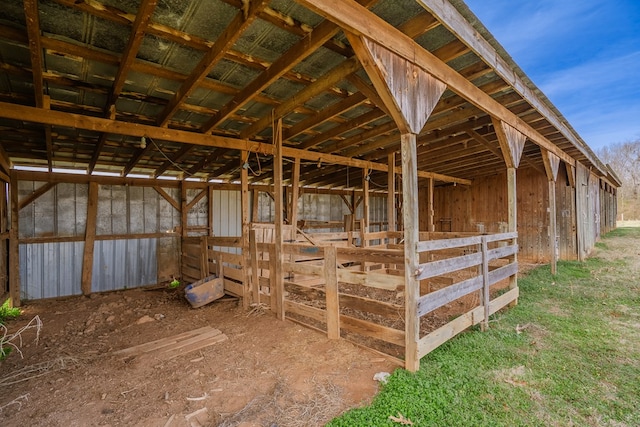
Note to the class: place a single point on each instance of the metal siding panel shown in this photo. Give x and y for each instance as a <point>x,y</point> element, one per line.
<point>124,263</point>
<point>50,270</point>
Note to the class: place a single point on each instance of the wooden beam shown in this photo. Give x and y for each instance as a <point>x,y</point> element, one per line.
<point>143,17</point>
<point>391,194</point>
<point>511,142</point>
<point>295,193</point>
<point>325,82</point>
<point>181,154</point>
<point>5,161</point>
<point>226,40</point>
<point>369,92</point>
<point>142,151</point>
<point>14,247</point>
<point>361,22</point>
<point>46,103</point>
<point>57,118</point>
<point>408,91</point>
<point>35,195</point>
<point>430,207</point>
<point>551,165</point>
<point>322,116</point>
<point>184,209</point>
<point>247,267</point>
<point>352,124</point>
<point>35,49</point>
<point>410,214</point>
<point>293,56</point>
<point>167,197</point>
<point>196,199</point>
<point>89,238</point>
<point>277,271</point>
<point>331,292</point>
<point>512,216</point>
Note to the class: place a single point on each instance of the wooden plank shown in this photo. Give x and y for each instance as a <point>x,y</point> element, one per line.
<point>196,199</point>
<point>14,247</point>
<point>501,252</point>
<point>255,282</point>
<point>305,310</point>
<point>295,193</point>
<point>373,330</point>
<point>382,256</point>
<point>431,301</point>
<point>391,195</point>
<point>504,300</point>
<point>502,273</point>
<point>511,142</point>
<point>245,238</point>
<point>304,269</point>
<point>233,288</point>
<point>331,290</point>
<point>170,353</point>
<point>501,236</point>
<point>370,279</point>
<point>89,239</point>
<point>369,305</point>
<point>35,195</point>
<point>449,265</point>
<point>156,344</point>
<point>435,245</point>
<point>485,284</point>
<point>512,203</point>
<point>443,334</point>
<point>167,197</point>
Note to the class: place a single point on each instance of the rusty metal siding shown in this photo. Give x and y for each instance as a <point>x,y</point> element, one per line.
<point>122,264</point>
<point>50,270</point>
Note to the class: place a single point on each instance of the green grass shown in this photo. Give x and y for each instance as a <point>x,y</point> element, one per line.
<point>577,362</point>
<point>8,312</point>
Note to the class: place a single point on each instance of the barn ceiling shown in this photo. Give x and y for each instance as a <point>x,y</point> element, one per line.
<point>232,68</point>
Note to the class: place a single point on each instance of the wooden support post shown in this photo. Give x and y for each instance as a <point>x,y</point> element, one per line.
<point>391,194</point>
<point>255,194</point>
<point>295,195</point>
<point>210,217</point>
<point>512,201</point>
<point>255,280</point>
<point>485,283</point>
<point>331,292</point>
<point>365,204</point>
<point>184,209</point>
<point>430,208</point>
<point>551,165</point>
<point>278,276</point>
<point>246,258</point>
<point>14,247</point>
<point>89,238</point>
<point>411,260</point>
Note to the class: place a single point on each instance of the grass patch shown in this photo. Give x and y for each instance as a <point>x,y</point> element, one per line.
<point>567,355</point>
<point>8,312</point>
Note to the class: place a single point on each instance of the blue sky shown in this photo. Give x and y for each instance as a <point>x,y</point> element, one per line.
<point>583,54</point>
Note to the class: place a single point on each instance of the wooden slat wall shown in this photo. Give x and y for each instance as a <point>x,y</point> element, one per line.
<point>482,207</point>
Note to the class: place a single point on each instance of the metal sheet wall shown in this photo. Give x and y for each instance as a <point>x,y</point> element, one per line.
<point>50,269</point>
<point>121,264</point>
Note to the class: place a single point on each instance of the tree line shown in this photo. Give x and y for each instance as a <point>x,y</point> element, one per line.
<point>624,159</point>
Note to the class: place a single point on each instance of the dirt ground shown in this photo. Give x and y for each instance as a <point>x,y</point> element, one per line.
<point>267,373</point>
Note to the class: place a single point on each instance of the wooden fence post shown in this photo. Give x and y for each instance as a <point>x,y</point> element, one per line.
<point>485,283</point>
<point>331,292</point>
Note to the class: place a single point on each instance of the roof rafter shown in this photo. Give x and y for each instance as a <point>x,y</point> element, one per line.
<point>292,57</point>
<point>37,67</point>
<point>225,41</point>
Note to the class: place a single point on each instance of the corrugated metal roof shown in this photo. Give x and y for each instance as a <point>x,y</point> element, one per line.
<point>84,43</point>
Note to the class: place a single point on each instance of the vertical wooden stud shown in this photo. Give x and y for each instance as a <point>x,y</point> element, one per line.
<point>255,281</point>
<point>391,194</point>
<point>295,195</point>
<point>246,257</point>
<point>430,209</point>
<point>89,238</point>
<point>485,283</point>
<point>331,292</point>
<point>184,211</point>
<point>278,275</point>
<point>14,247</point>
<point>512,218</point>
<point>411,260</point>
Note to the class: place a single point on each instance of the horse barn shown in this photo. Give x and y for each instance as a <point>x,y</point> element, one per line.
<point>360,167</point>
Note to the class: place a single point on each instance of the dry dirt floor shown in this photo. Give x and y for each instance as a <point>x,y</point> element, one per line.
<point>267,373</point>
